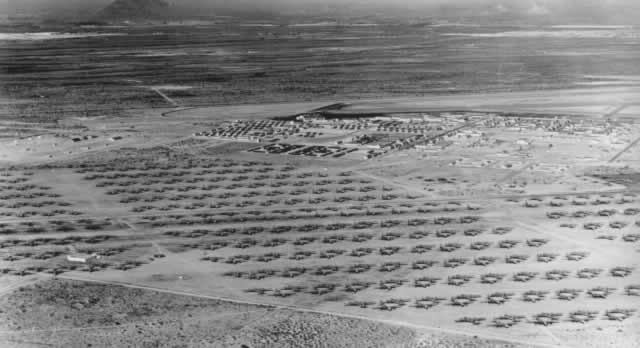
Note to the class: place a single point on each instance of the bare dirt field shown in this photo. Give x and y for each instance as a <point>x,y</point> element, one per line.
<point>409,249</point>
<point>139,207</point>
<point>73,313</point>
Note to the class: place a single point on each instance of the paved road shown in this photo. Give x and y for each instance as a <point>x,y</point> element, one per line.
<point>615,111</point>
<point>634,143</point>
<point>165,97</point>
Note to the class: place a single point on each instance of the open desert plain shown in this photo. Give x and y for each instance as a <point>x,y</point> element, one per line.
<point>318,181</point>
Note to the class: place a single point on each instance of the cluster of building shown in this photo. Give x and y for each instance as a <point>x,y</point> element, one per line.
<point>378,135</point>
<point>257,130</point>
<point>347,124</point>
<point>304,150</point>
<point>395,126</point>
<point>319,151</point>
<point>277,148</point>
<point>565,125</point>
<point>419,142</point>
<point>350,126</point>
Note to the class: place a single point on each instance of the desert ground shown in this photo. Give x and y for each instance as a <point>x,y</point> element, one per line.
<point>394,219</point>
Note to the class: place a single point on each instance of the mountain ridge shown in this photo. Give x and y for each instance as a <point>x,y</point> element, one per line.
<point>127,10</point>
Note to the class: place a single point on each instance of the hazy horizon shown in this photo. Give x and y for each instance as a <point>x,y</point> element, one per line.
<point>525,11</point>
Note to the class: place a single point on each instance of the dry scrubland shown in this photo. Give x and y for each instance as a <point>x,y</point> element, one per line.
<point>228,63</point>
<point>74,314</point>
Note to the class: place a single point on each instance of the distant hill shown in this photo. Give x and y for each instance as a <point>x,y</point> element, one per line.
<point>126,10</point>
